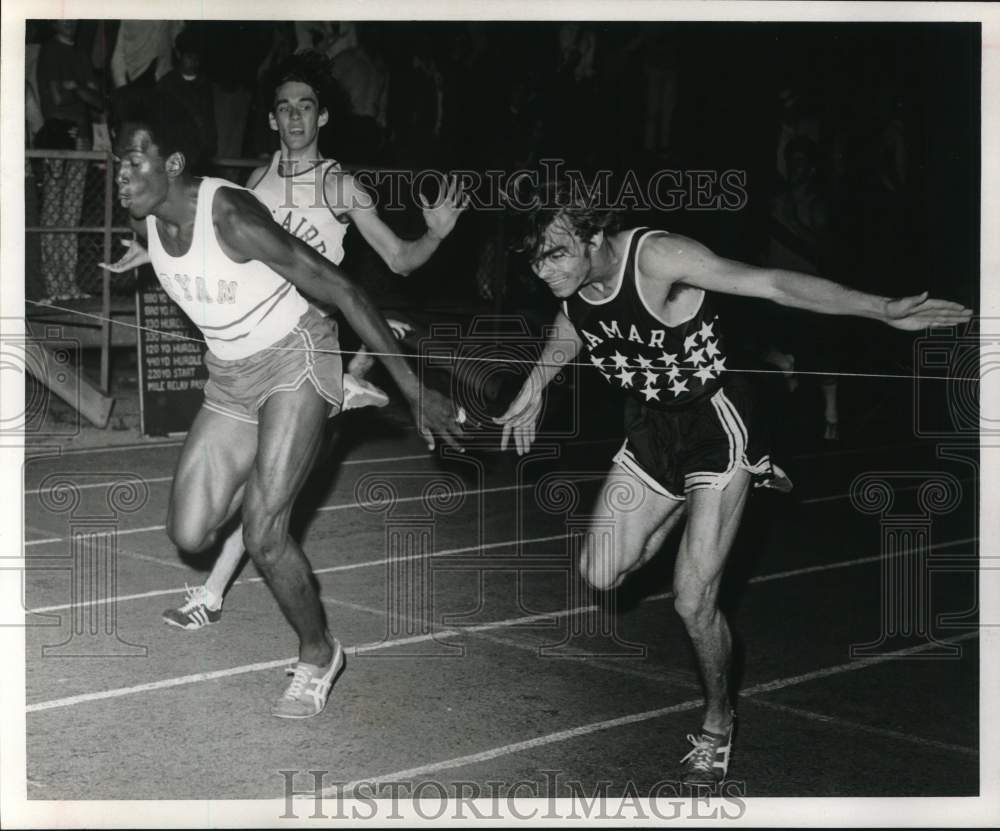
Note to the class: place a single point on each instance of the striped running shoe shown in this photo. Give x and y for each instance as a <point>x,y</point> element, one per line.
<point>309,690</point>
<point>197,610</point>
<point>708,760</point>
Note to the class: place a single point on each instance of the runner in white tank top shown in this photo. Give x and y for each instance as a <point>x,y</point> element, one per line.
<point>298,186</point>
<point>298,202</point>
<point>214,244</point>
<point>315,200</point>
<point>240,308</point>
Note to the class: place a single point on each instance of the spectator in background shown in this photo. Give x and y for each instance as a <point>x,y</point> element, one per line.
<point>261,140</point>
<point>417,105</point>
<point>231,63</point>
<point>476,94</point>
<point>34,286</point>
<point>187,84</point>
<point>143,52</point>
<point>364,77</point>
<point>658,47</point>
<point>798,118</point>
<point>316,36</point>
<point>572,97</point>
<point>34,119</point>
<point>801,240</point>
<point>882,193</point>
<point>68,94</point>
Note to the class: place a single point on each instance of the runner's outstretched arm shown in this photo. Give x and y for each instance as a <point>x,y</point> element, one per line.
<point>247,231</point>
<point>671,259</point>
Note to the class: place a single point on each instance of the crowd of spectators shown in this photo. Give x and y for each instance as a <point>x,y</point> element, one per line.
<point>827,130</point>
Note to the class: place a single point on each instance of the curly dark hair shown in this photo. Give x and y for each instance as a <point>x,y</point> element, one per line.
<point>313,69</point>
<point>585,207</point>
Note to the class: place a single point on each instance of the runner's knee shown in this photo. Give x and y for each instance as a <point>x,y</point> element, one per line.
<point>189,535</point>
<point>265,528</point>
<point>598,570</point>
<point>695,603</point>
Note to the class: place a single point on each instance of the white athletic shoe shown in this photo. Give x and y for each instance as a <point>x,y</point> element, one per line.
<point>360,393</point>
<point>310,689</point>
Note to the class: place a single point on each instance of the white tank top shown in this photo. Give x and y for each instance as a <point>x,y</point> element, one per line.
<point>240,308</point>
<point>299,205</point>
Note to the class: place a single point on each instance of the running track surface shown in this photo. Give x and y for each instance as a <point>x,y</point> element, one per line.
<point>474,655</point>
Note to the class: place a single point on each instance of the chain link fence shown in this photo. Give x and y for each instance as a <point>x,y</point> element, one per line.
<point>70,216</point>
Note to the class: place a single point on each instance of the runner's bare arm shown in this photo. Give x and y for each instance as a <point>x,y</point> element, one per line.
<point>344,193</point>
<point>247,231</point>
<point>521,418</point>
<point>676,259</point>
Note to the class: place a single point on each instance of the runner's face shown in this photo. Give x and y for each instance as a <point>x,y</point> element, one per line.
<point>563,261</point>
<point>297,116</point>
<point>141,176</point>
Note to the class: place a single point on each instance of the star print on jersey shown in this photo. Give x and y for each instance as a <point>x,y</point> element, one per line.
<point>702,358</point>
<point>704,374</point>
<point>625,377</point>
<point>637,359</point>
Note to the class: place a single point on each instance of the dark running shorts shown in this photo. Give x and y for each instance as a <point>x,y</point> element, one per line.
<point>309,353</point>
<point>700,446</point>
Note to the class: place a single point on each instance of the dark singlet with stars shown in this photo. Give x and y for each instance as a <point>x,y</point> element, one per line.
<point>664,367</point>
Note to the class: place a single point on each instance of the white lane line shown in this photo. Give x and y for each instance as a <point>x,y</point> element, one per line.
<point>857,561</point>
<point>150,444</point>
<point>147,558</point>
<point>415,456</point>
<point>370,647</point>
<point>689,680</point>
<point>680,678</point>
<point>153,444</point>
<point>43,541</point>
<point>328,570</point>
<point>622,721</point>
<point>155,480</point>
<point>847,724</point>
<point>371,503</point>
<point>121,532</point>
<point>487,546</point>
<point>813,500</point>
<point>156,685</point>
